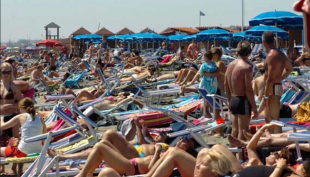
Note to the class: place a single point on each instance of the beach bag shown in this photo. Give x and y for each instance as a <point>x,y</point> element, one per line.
<point>303,113</point>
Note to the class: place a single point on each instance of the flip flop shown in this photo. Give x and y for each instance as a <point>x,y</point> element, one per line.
<point>304,7</point>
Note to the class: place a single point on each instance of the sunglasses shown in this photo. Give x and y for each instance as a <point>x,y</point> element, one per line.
<point>6,72</point>
<point>276,154</point>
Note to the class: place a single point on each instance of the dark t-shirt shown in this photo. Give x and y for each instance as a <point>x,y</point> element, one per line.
<point>259,171</point>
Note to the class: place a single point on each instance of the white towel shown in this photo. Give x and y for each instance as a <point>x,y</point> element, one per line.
<point>126,127</point>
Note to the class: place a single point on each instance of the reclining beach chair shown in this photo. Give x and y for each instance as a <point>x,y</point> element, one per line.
<point>39,167</point>
<point>74,81</point>
<point>303,136</point>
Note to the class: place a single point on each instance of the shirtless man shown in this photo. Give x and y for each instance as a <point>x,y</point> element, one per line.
<point>240,95</point>
<point>37,75</point>
<point>277,67</point>
<point>134,61</point>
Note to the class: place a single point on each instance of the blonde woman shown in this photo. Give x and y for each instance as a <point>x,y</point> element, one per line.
<point>10,94</point>
<point>214,162</point>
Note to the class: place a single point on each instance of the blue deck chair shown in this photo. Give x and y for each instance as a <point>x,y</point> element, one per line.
<point>74,81</point>
<point>287,96</point>
<point>216,105</point>
<point>294,136</point>
<point>299,97</point>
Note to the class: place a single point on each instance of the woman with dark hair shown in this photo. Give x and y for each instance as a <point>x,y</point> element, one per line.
<point>30,125</point>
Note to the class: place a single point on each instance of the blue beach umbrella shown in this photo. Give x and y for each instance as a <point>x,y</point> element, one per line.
<point>88,37</point>
<point>213,34</point>
<point>276,17</point>
<point>259,30</point>
<point>177,37</point>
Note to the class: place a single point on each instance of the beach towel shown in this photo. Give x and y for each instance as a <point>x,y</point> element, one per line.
<point>29,93</point>
<point>166,59</point>
<point>126,127</point>
<point>303,113</point>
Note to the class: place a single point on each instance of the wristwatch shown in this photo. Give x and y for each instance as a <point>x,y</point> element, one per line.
<point>265,97</point>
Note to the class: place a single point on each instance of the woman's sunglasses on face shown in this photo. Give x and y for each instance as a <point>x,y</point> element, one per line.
<point>6,72</point>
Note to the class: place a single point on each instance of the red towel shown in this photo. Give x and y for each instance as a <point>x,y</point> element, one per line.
<point>166,59</point>
<point>29,93</point>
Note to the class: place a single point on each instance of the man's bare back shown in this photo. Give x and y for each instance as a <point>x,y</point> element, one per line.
<point>236,72</point>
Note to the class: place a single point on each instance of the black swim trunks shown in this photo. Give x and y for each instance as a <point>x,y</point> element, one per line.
<point>285,112</point>
<point>218,92</point>
<point>6,118</point>
<point>240,105</point>
<point>194,66</point>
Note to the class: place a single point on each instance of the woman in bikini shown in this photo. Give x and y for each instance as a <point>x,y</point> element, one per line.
<point>304,59</point>
<point>10,94</point>
<point>107,152</point>
<point>217,161</point>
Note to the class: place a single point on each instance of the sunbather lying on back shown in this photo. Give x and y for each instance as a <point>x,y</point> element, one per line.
<point>269,140</point>
<point>129,148</point>
<point>147,73</point>
<point>107,152</point>
<point>173,75</point>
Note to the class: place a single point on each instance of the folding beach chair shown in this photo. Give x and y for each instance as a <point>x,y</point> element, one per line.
<point>74,81</point>
<point>294,136</point>
<point>215,101</point>
<point>38,167</point>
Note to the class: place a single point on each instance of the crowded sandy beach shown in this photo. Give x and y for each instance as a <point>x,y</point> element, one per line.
<point>209,101</point>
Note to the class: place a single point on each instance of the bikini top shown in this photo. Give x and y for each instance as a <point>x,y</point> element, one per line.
<point>9,95</point>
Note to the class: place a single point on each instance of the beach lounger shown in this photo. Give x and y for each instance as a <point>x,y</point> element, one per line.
<point>74,81</point>
<point>295,136</point>
<point>37,168</point>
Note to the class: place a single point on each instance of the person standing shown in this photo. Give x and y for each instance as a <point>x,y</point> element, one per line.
<point>240,95</point>
<point>277,67</point>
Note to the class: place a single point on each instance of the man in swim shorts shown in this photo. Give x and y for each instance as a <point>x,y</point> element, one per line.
<point>277,68</point>
<point>240,95</point>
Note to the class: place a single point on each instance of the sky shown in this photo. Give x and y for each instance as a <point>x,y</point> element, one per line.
<point>25,19</point>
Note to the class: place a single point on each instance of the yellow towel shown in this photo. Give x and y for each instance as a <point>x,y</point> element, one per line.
<point>89,140</point>
<point>21,159</point>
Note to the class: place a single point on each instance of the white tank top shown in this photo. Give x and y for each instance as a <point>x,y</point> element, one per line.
<point>30,129</point>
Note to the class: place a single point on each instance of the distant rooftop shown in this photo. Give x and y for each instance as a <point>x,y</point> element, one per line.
<point>52,25</point>
<point>125,31</point>
<point>147,30</point>
<point>81,30</point>
<point>105,32</point>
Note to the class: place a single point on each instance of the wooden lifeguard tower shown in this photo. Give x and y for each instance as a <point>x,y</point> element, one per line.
<point>51,36</point>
